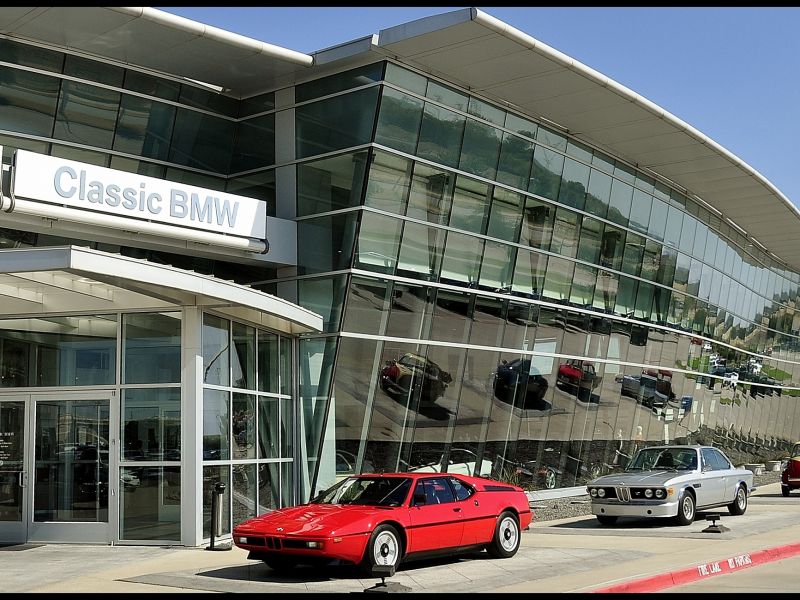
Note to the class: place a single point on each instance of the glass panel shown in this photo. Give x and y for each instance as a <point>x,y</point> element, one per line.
<point>150,504</point>
<point>558,280</point>
<point>420,251</point>
<point>626,297</point>
<point>412,310</point>
<point>245,488</point>
<point>202,141</point>
<point>86,114</point>
<point>152,86</point>
<point>580,151</point>
<point>378,243</point>
<point>506,214</point>
<point>267,362</point>
<point>140,167</point>
<point>451,317</point>
<point>658,219</point>
<point>619,207</point>
<point>151,348</point>
<point>71,461</point>
<point>440,135</point>
<point>74,351</point>
<point>634,251</point>
<point>216,357</point>
<point>497,267</point>
<point>268,428</point>
<point>590,241</point>
<point>529,272</point>
<point>257,104</point>
<point>406,79</point>
<point>258,185</point>
<point>399,120</point>
<point>537,225</point>
<point>244,426</point>
<point>480,149</point>
<point>324,296</point>
<point>486,111</point>
<point>551,138</point>
<point>573,186</point>
<point>388,183</point>
<point>336,123</point>
<point>29,102</point>
<point>462,258</point>
<point>470,205</point>
<point>332,249</point>
<point>367,303</point>
<point>212,476</point>
<point>216,424</point>
<point>447,95</point>
<point>565,232</point>
<point>514,166</point>
<point>243,357</point>
<point>206,99</point>
<point>285,362</point>
<point>672,232</point>
<point>269,482</point>
<point>598,193</point>
<point>640,210</point>
<point>546,171</point>
<point>331,183</point>
<point>151,424</point>
<point>287,428</point>
<point>144,127</point>
<point>605,293</point>
<point>12,447</point>
<point>31,56</point>
<point>339,82</point>
<point>651,260</point>
<point>612,247</point>
<point>254,145</point>
<point>583,284</point>
<point>431,194</point>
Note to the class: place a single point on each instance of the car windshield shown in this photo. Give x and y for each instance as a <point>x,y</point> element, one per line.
<point>366,491</point>
<point>671,459</point>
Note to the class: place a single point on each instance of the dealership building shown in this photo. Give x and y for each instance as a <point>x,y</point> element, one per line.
<point>445,246</point>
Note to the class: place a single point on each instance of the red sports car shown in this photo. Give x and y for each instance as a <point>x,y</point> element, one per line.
<point>382,519</point>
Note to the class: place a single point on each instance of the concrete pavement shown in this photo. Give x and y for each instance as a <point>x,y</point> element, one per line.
<point>574,555</point>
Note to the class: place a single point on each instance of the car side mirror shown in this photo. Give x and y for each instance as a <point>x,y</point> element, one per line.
<point>419,498</point>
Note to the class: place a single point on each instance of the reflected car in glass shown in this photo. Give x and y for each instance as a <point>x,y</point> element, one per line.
<point>671,482</point>
<point>381,520</point>
<point>790,471</point>
<point>516,385</point>
<point>414,375</point>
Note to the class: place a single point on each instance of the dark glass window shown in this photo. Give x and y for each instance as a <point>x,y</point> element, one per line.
<point>590,240</point>
<point>420,251</point>
<point>92,70</point>
<point>332,249</point>
<point>31,56</point>
<point>378,242</point>
<point>658,219</point>
<point>634,251</point>
<point>336,123</point>
<point>619,206</point>
<point>470,205</point>
<point>399,120</point>
<point>546,172</point>
<point>339,82</point>
<point>565,232</point>
<point>208,100</point>
<point>486,111</point>
<point>514,166</point>
<point>440,135</point>
<point>367,304</point>
<point>575,178</point>
<point>558,280</point>
<point>331,183</point>
<point>29,102</point>
<point>640,210</point>
<point>152,86</point>
<point>497,266</point>
<point>259,185</point>
<point>612,247</point>
<point>598,193</point>
<point>202,141</point>
<point>431,194</point>
<point>506,214</point>
<point>480,150</point>
<point>257,104</point>
<point>255,144</point>
<point>462,259</point>
<point>86,114</point>
<point>388,183</point>
<point>406,79</point>
<point>537,224</point>
<point>530,269</point>
<point>144,127</point>
<point>551,138</point>
<point>447,95</point>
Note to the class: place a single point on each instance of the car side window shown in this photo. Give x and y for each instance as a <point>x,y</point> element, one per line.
<point>436,490</point>
<point>708,461</point>
<point>462,490</point>
<point>720,461</point>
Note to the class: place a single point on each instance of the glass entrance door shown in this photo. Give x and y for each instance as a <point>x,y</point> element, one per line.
<point>72,460</point>
<point>13,472</point>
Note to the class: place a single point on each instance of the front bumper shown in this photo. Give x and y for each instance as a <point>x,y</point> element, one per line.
<point>641,509</point>
<point>346,548</point>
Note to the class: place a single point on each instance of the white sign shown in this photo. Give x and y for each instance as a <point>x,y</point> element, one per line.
<point>89,187</point>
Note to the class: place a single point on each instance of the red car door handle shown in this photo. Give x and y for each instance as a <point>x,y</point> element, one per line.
<point>456,510</point>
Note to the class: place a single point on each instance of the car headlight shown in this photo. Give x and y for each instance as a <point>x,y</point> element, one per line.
<point>601,493</point>
<point>316,545</point>
<point>648,493</point>
<point>593,492</point>
<point>661,494</point>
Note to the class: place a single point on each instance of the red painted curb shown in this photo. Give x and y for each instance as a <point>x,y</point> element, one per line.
<point>701,571</point>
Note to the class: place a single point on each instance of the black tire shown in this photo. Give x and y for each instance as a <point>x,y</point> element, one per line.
<point>687,509</point>
<point>280,563</point>
<point>785,491</point>
<point>606,519</point>
<point>384,548</point>
<point>550,479</point>
<point>506,539</point>
<point>739,504</point>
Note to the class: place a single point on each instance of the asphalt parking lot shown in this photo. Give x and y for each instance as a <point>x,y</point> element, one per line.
<point>568,555</point>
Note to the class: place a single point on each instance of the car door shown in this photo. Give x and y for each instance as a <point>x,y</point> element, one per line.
<point>729,477</point>
<point>435,516</point>
<point>712,479</point>
<point>478,518</point>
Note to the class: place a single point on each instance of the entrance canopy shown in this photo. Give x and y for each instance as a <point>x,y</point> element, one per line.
<point>57,280</point>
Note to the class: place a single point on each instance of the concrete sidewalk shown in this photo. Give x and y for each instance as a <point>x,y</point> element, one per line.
<point>570,555</point>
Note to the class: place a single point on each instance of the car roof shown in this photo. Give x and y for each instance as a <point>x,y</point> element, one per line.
<point>476,482</point>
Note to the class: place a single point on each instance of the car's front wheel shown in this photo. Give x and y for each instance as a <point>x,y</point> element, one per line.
<point>739,504</point>
<point>686,509</point>
<point>506,539</point>
<point>384,549</point>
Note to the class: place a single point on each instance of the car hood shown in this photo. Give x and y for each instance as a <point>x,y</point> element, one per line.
<point>639,478</point>
<point>315,519</point>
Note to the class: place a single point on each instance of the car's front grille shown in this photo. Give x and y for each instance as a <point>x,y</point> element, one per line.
<point>623,494</point>
<point>272,543</point>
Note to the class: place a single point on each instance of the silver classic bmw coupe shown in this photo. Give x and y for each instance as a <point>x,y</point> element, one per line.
<point>671,482</point>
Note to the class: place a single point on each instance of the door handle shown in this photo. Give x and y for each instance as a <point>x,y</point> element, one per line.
<point>456,510</point>
<point>21,479</point>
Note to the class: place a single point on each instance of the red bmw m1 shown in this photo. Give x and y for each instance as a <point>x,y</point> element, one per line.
<point>384,519</point>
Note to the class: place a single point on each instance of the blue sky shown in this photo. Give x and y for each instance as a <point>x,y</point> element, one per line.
<point>732,73</point>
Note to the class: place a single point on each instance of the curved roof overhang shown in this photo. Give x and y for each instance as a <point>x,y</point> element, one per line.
<point>468,47</point>
<point>64,279</point>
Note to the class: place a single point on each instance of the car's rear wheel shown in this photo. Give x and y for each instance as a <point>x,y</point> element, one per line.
<point>506,539</point>
<point>739,504</point>
<point>785,491</point>
<point>686,509</point>
<point>549,479</point>
<point>606,519</point>
<point>280,563</point>
<point>384,548</point>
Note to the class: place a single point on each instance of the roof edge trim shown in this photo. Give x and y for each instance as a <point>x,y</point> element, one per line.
<point>214,33</point>
<point>524,39</point>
